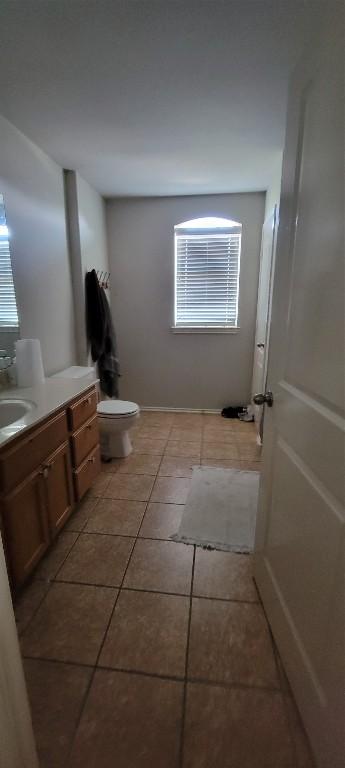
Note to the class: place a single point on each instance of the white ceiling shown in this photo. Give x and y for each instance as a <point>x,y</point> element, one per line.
<point>154,97</point>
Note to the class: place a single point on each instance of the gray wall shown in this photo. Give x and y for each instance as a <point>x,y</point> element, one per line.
<point>161,368</point>
<point>32,185</point>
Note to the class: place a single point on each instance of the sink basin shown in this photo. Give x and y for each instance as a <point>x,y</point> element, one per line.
<point>12,410</point>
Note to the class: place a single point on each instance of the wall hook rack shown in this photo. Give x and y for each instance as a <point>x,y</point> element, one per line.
<point>103,278</point>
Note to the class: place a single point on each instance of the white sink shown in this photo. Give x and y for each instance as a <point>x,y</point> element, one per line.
<point>13,409</point>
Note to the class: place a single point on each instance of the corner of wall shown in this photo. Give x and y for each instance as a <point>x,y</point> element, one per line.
<point>74,250</point>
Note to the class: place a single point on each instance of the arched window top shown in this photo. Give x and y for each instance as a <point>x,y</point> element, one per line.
<point>208,222</point>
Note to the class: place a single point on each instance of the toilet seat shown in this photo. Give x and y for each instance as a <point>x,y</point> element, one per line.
<point>117,409</point>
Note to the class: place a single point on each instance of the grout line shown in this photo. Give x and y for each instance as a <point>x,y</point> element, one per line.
<point>149,499</point>
<point>108,625</point>
<point>125,535</point>
<point>97,659</point>
<point>286,694</point>
<point>157,591</point>
<point>184,700</point>
<point>160,676</point>
<point>50,581</point>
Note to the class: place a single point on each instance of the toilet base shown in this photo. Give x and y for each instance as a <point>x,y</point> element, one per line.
<point>116,445</point>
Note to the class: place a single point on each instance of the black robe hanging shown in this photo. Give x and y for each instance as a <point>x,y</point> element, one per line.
<point>101,335</point>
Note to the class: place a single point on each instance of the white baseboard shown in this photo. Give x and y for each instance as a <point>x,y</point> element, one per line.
<point>180,410</point>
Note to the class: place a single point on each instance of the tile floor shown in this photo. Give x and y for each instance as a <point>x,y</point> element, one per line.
<point>140,652</point>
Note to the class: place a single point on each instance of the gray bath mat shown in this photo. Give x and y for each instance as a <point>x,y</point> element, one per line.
<point>221,509</point>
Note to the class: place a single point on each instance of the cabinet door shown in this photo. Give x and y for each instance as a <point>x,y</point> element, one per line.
<point>25,527</point>
<point>58,484</point>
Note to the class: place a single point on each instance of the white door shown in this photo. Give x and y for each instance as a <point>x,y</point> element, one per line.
<point>299,560</point>
<point>268,245</point>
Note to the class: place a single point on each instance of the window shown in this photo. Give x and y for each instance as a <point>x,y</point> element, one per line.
<point>207,266</point>
<point>8,306</point>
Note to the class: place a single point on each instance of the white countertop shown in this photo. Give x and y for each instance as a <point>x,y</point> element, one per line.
<point>45,399</point>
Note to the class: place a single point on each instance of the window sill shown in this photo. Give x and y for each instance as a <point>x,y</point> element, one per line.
<point>204,329</point>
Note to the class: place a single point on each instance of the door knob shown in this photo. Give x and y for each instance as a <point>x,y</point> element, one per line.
<point>262,398</point>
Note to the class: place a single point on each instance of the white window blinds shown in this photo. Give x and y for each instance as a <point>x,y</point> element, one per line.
<point>8,306</point>
<point>207,279</point>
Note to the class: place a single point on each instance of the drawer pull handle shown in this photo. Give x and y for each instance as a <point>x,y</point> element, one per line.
<point>92,460</point>
<point>89,426</point>
<point>87,401</point>
<point>44,472</point>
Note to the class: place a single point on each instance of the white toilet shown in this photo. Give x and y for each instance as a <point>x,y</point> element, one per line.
<point>116,417</point>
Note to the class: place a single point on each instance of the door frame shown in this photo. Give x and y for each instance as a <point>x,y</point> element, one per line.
<point>16,735</point>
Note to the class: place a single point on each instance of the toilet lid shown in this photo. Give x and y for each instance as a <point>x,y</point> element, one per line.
<point>113,408</point>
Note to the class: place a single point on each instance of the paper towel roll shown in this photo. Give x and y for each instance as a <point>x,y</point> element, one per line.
<point>29,362</point>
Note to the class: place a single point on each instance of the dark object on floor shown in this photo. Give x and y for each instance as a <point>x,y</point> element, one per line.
<point>101,335</point>
<point>232,412</point>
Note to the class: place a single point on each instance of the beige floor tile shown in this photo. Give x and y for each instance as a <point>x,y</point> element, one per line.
<point>246,427</point>
<point>235,729</point>
<point>56,693</point>
<point>219,436</point>
<point>119,517</point>
<point>161,521</point>
<point>183,448</point>
<point>230,642</point>
<point>251,466</point>
<point>140,464</point>
<point>188,420</point>
<point>162,566</point>
<point>188,435</point>
<point>250,452</point>
<point>171,490</point>
<point>173,466</point>
<point>224,575</point>
<point>98,559</point>
<point>218,423</point>
<point>99,486</point>
<point>81,514</point>
<point>155,419</point>
<point>58,552</point>
<point>149,446</point>
<point>246,437</point>
<point>219,451</point>
<point>225,463</point>
<point>131,721</point>
<point>28,602</point>
<point>109,467</point>
<point>153,433</point>
<point>70,623</point>
<point>148,633</point>
<point>130,487</point>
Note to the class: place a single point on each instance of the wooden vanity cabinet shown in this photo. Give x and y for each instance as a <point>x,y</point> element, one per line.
<point>26,532</point>
<point>57,476</point>
<point>42,474</point>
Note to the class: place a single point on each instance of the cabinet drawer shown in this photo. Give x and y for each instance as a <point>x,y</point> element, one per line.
<point>87,473</point>
<point>82,410</point>
<point>84,440</point>
<point>25,456</point>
